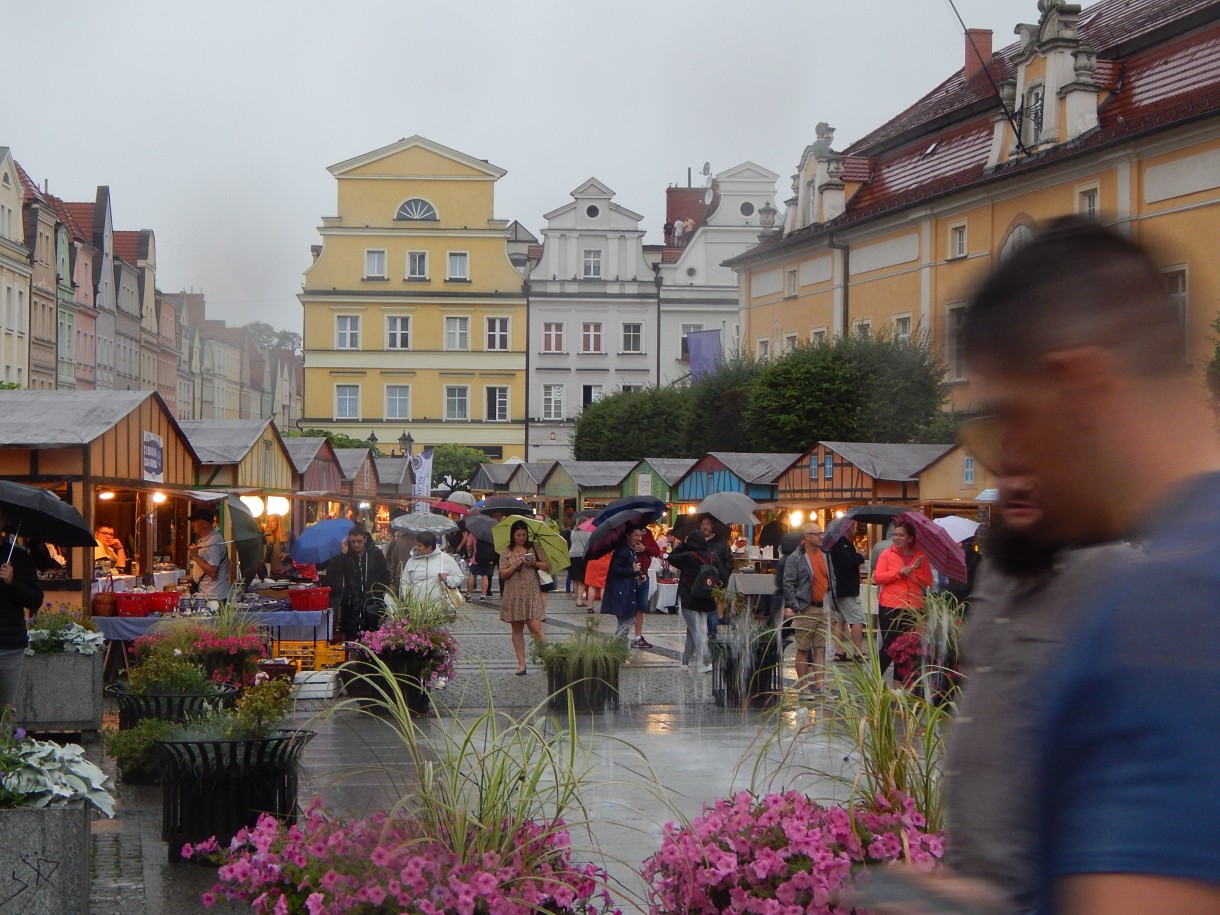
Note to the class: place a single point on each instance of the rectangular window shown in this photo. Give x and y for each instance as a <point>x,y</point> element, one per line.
<point>902,327</point>
<point>552,401</point>
<point>790,289</point>
<point>789,342</point>
<point>457,402</point>
<point>374,264</point>
<point>497,333</point>
<point>955,354</point>
<point>968,471</point>
<point>686,330</point>
<point>764,349</point>
<point>628,388</point>
<point>417,265</point>
<point>591,337</point>
<point>1086,203</point>
<point>457,333</point>
<point>813,469</point>
<point>347,401</point>
<point>1031,116</point>
<point>862,328</point>
<point>633,338</point>
<point>397,401</point>
<point>1175,280</point>
<point>828,466</point>
<point>459,266</point>
<point>497,405</point>
<point>552,337</point>
<point>592,263</point>
<point>398,332</point>
<point>817,336</point>
<point>957,241</point>
<point>347,331</point>
<point>591,393</point>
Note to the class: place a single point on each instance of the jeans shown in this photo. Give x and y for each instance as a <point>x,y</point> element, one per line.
<point>11,661</point>
<point>713,620</point>
<point>695,650</point>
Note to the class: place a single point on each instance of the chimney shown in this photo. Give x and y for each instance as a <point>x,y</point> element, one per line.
<point>978,51</point>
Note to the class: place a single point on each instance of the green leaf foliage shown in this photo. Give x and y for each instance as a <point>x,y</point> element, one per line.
<point>457,463</point>
<point>337,439</point>
<point>718,406</point>
<point>632,425</point>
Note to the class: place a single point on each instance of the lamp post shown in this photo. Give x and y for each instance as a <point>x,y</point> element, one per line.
<point>372,440</point>
<point>525,264</point>
<point>405,442</point>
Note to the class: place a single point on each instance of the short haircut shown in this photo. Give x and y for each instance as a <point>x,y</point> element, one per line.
<point>908,527</point>
<point>360,532</point>
<point>1076,283</point>
<point>425,538</point>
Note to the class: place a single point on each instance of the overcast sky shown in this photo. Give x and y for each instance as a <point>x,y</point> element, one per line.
<point>213,122</point>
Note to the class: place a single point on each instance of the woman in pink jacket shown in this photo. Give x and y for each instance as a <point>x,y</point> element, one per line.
<point>903,574</point>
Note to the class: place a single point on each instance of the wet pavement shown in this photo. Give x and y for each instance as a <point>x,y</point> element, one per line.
<point>664,752</point>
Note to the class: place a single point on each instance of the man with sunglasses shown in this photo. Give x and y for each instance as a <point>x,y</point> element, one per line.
<point>1077,350</point>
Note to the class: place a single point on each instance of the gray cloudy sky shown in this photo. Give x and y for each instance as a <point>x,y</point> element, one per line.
<point>214,122</point>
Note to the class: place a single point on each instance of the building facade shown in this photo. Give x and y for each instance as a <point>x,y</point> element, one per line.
<point>414,316</point>
<point>15,270</point>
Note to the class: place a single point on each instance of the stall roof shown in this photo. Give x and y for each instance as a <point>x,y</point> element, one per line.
<point>887,461</point>
<point>755,467</point>
<point>223,441</point>
<point>537,470</point>
<point>595,474</point>
<point>393,471</point>
<point>350,461</point>
<point>670,469</point>
<point>498,473</point>
<point>65,419</point>
<point>302,449</point>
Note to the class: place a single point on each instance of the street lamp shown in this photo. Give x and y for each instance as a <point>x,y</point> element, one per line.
<point>372,440</point>
<point>405,442</point>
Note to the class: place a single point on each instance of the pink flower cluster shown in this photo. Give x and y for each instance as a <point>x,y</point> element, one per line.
<point>381,864</point>
<point>435,648</point>
<point>906,652</point>
<point>781,854</point>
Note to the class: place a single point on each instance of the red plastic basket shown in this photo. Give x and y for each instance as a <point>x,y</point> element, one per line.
<point>309,598</point>
<point>133,603</point>
<point>163,601</point>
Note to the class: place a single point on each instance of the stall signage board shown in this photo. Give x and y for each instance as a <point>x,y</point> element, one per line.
<point>154,458</point>
<point>643,484</point>
<point>421,466</point>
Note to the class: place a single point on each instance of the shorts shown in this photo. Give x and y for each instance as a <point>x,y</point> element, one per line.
<point>850,610</point>
<point>483,569</point>
<point>809,629</point>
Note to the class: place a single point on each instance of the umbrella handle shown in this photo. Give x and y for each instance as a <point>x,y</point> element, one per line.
<point>12,544</point>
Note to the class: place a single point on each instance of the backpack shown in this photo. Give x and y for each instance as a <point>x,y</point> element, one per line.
<point>706,580</point>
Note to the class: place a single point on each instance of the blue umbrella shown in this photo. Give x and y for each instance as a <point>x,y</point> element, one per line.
<point>321,541</point>
<point>648,503</point>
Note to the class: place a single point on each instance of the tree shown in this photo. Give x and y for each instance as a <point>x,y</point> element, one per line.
<point>631,425</point>
<point>850,389</point>
<point>455,465</point>
<point>717,404</point>
<point>267,337</point>
<point>337,439</point>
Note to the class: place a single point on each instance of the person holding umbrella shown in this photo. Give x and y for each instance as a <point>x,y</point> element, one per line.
<point>210,556</point>
<point>627,583</point>
<point>361,579</point>
<point>523,604</point>
<point>903,573</point>
<point>19,591</point>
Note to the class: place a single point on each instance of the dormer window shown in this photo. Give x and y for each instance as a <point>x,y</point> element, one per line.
<point>1031,116</point>
<point>417,209</point>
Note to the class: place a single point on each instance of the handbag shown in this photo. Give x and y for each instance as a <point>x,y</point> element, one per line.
<point>104,601</point>
<point>455,597</point>
<point>547,580</point>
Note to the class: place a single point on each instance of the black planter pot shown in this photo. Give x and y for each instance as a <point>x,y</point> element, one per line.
<point>592,687</point>
<point>755,680</point>
<point>142,774</point>
<point>217,787</point>
<point>135,707</point>
<point>361,678</point>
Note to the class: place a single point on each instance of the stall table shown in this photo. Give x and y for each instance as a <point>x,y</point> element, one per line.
<point>661,594</point>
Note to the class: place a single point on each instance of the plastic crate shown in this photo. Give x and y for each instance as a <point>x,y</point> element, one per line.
<point>300,652</point>
<point>329,656</point>
<point>309,598</point>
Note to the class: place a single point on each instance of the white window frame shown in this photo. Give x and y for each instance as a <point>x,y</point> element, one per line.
<point>631,388</point>
<point>967,470</point>
<point>347,337</point>
<point>506,406</point>
<point>464,276</point>
<point>591,332</point>
<point>899,332</point>
<point>955,355</point>
<point>498,336</point>
<point>1088,200</point>
<point>818,335</point>
<point>1181,298</point>
<point>791,283</point>
<point>638,335</point>
<point>400,390</point>
<point>959,240</point>
<point>371,256</point>
<point>591,261</point>
<point>341,394</point>
<point>595,392</point>
<point>862,327</point>
<point>684,344</point>
<point>458,335</point>
<point>393,337</point>
<point>790,342</point>
<point>414,274</point>
<point>448,395</point>
<point>553,396</point>
<point>1031,133</point>
<point>764,348</point>
<point>552,336</point>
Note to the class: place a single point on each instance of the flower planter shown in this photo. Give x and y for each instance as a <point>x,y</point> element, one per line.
<point>61,692</point>
<point>758,682</point>
<point>217,787</point>
<point>362,679</point>
<point>135,707</point>
<point>46,859</point>
<point>592,687</point>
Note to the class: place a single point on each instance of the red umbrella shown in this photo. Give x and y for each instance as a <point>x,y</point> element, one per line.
<point>450,507</point>
<point>945,553</point>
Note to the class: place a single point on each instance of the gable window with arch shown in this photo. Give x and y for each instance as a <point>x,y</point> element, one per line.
<point>374,264</point>
<point>459,267</point>
<point>398,332</point>
<point>591,337</point>
<point>592,263</point>
<point>417,265</point>
<point>417,209</point>
<point>397,401</point>
<point>552,337</point>
<point>347,331</point>
<point>497,404</point>
<point>457,402</point>
<point>497,333</point>
<point>457,332</point>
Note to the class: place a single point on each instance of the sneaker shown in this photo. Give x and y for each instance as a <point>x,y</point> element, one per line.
<point>686,667</point>
<point>642,642</point>
<point>707,668</point>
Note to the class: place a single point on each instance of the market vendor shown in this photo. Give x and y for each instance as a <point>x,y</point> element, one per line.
<point>109,547</point>
<point>209,556</point>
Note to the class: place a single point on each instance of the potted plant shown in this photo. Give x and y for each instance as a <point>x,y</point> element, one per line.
<point>135,750</point>
<point>584,666</point>
<point>223,770</point>
<point>745,655</point>
<point>46,791</point>
<point>61,679</point>
<point>228,649</point>
<point>167,685</point>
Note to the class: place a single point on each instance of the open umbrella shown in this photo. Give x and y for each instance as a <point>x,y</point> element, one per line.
<point>834,531</point>
<point>729,507</point>
<point>959,528</point>
<point>446,506</point>
<point>461,498</point>
<point>244,534</point>
<point>417,523</point>
<point>41,515</point>
<point>549,540</point>
<point>321,541</point>
<point>875,514</point>
<point>611,525</point>
<point>480,526</point>
<point>506,505</point>
<point>935,542</point>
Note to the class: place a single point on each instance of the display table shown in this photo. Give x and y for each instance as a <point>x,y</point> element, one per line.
<point>161,580</point>
<point>661,594</point>
<point>286,625</point>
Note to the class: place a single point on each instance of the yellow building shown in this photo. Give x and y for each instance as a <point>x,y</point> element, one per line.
<point>1111,112</point>
<point>415,320</point>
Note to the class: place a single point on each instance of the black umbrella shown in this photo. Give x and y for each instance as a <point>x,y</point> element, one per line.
<point>507,505</point>
<point>245,534</point>
<point>612,526</point>
<point>39,514</point>
<point>480,526</point>
<point>629,502</point>
<point>876,514</point>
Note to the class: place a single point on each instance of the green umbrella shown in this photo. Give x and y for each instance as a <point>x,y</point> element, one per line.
<point>549,540</point>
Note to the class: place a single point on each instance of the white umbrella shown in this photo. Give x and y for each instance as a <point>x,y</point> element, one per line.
<point>729,507</point>
<point>957,527</point>
<point>416,523</point>
<point>461,498</point>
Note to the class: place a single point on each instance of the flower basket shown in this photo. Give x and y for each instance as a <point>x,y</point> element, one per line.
<point>218,787</point>
<point>751,678</point>
<point>179,708</point>
<point>592,687</point>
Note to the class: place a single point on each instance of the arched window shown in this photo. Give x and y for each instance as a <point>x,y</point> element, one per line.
<point>416,208</point>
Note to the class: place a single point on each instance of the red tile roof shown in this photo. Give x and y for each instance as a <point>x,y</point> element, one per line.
<point>127,246</point>
<point>857,168</point>
<point>83,214</point>
<point>66,217</point>
<point>31,194</point>
<point>534,252</point>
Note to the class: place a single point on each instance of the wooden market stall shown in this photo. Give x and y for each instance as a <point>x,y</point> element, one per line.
<point>119,457</point>
<point>360,482</point>
<point>525,482</point>
<point>656,477</point>
<point>318,478</point>
<point>754,473</point>
<point>491,478</point>
<point>585,484</point>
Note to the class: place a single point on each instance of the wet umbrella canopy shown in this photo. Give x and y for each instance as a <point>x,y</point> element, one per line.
<point>417,523</point>
<point>41,515</point>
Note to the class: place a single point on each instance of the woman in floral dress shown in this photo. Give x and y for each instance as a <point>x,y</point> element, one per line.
<point>523,604</point>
